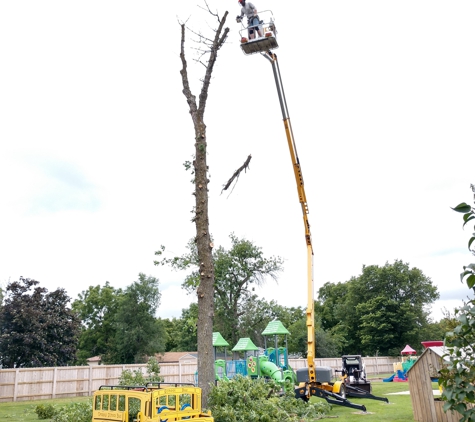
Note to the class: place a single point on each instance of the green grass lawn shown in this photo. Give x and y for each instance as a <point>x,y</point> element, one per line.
<point>399,408</point>
<point>24,411</point>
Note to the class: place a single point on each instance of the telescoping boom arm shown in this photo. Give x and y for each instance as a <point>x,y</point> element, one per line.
<point>303,202</point>
<point>311,381</point>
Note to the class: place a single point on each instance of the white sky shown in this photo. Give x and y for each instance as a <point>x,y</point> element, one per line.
<point>94,130</point>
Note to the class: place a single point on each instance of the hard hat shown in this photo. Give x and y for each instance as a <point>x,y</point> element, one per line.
<point>241,1</point>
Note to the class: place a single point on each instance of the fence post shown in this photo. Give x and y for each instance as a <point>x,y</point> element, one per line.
<point>89,388</point>
<point>15,388</point>
<point>55,372</point>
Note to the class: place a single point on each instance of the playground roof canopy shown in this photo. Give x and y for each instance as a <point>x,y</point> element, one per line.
<point>275,327</point>
<point>408,350</point>
<point>432,343</point>
<point>244,344</point>
<point>219,341</point>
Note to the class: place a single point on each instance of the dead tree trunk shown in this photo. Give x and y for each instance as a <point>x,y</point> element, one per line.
<point>205,290</point>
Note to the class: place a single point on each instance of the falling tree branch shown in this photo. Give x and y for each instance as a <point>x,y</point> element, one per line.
<point>236,174</point>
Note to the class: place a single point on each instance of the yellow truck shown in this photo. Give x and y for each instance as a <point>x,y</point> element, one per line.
<point>154,402</point>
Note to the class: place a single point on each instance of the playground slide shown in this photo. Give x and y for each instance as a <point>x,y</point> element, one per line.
<point>271,370</point>
<point>400,376</point>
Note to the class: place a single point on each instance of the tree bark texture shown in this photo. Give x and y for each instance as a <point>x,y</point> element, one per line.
<point>205,290</point>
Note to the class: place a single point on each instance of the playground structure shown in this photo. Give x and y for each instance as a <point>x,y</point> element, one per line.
<point>154,402</point>
<point>219,364</point>
<point>271,363</point>
<point>400,368</point>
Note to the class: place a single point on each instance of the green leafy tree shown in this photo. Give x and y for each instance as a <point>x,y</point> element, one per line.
<point>327,344</point>
<point>390,305</point>
<point>182,332</point>
<point>237,272</point>
<point>458,374</point>
<point>170,326</point>
<point>37,328</point>
<point>335,312</point>
<point>97,309</point>
<point>138,333</point>
<point>438,330</point>
<point>330,303</point>
<point>257,313</point>
<point>297,342</point>
<point>447,323</point>
<point>379,310</point>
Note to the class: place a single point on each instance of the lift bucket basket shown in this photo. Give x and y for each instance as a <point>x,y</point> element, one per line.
<point>268,40</point>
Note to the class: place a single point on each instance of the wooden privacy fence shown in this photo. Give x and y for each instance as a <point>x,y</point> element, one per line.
<point>374,365</point>
<point>22,384</point>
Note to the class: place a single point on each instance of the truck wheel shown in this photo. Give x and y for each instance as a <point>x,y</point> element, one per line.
<point>339,388</point>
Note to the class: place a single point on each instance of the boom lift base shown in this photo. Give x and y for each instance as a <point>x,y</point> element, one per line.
<point>305,392</point>
<point>352,391</point>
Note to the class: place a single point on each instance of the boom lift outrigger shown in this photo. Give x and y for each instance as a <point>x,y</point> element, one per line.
<point>309,385</point>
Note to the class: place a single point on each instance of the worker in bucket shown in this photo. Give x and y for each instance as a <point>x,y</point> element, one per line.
<point>250,11</point>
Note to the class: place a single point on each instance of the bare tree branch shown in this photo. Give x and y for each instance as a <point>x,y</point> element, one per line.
<point>219,39</point>
<point>190,98</point>
<point>210,12</point>
<point>201,37</point>
<point>236,174</point>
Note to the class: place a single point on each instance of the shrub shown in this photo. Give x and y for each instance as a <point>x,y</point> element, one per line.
<point>45,411</point>
<point>128,377</point>
<point>457,376</point>
<point>153,371</point>
<point>245,400</point>
<point>75,412</point>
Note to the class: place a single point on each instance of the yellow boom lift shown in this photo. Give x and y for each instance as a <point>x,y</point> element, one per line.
<point>311,381</point>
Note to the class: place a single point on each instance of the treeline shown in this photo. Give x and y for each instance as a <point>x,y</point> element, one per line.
<point>375,313</point>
